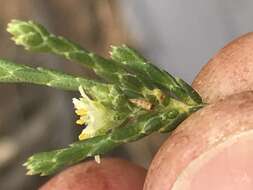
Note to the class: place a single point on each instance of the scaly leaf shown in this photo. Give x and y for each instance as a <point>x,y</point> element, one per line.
<point>131,58</point>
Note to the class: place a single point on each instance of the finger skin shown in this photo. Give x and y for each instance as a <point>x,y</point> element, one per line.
<point>200,133</point>
<point>228,72</point>
<point>111,173</point>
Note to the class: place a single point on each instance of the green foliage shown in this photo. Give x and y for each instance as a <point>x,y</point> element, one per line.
<point>147,122</point>
<point>133,60</point>
<point>138,97</point>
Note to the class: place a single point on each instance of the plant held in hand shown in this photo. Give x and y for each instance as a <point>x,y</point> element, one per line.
<point>135,98</point>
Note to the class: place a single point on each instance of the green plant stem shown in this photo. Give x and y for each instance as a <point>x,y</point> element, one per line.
<point>17,73</point>
<point>48,162</point>
<point>34,37</point>
<point>131,58</point>
<point>137,80</point>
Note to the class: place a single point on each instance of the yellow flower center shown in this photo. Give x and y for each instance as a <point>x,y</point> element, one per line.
<point>80,111</point>
<point>83,116</point>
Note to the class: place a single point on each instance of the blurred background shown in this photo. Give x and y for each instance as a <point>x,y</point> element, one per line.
<point>179,36</point>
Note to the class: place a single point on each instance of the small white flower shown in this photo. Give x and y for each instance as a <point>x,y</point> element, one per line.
<point>92,114</point>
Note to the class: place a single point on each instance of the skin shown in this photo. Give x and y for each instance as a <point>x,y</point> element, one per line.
<point>111,173</point>
<point>198,135</point>
<point>226,166</point>
<point>228,72</point>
